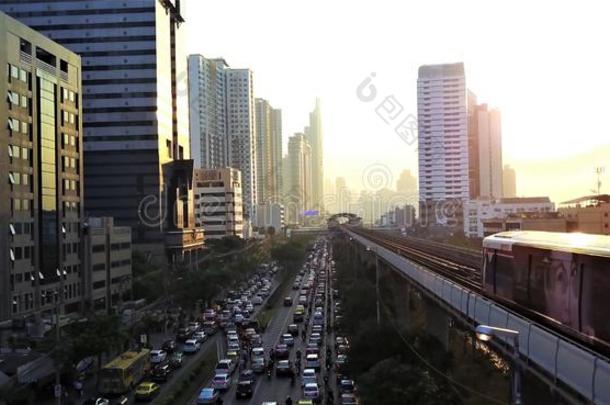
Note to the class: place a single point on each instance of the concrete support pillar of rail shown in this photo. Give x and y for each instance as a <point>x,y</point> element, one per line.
<point>437,322</point>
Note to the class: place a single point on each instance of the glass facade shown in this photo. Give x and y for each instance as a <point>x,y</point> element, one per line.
<point>49,259</point>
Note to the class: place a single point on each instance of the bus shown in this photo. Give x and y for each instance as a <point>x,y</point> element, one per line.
<point>124,372</point>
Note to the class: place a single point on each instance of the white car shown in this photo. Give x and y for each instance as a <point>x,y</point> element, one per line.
<point>221,381</point>
<point>225,366</point>
<point>311,391</point>
<point>312,361</point>
<point>309,376</point>
<point>258,352</point>
<point>257,300</point>
<point>158,356</point>
<point>199,336</point>
<point>191,346</point>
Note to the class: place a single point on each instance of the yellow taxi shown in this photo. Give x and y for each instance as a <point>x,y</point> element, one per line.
<point>147,391</point>
<point>305,402</point>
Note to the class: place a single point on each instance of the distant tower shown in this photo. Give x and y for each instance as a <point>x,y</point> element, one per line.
<point>509,182</point>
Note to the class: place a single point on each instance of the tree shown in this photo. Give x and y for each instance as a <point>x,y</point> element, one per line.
<point>99,334</point>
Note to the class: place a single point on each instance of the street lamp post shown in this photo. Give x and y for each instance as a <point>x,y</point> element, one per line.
<point>486,333</point>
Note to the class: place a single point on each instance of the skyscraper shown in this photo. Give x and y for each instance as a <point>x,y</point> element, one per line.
<point>135,108</point>
<point>268,151</point>
<point>489,140</point>
<point>298,186</point>
<point>241,131</point>
<point>208,111</point>
<point>406,183</point>
<point>509,182</point>
<point>315,138</point>
<point>41,210</point>
<point>443,139</point>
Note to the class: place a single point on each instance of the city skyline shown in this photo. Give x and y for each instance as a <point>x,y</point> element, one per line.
<point>529,124</point>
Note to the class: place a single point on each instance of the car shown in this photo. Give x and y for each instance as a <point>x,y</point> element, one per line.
<point>209,327</point>
<point>97,401</point>
<point>221,382</point>
<point>304,402</point>
<point>208,395</point>
<point>232,338</point>
<point>312,361</point>
<point>311,391</point>
<point>293,329</point>
<point>340,340</point>
<point>233,356</point>
<point>282,352</point>
<point>349,399</point>
<point>146,391</point>
<point>303,300</point>
<point>199,336</point>
<point>161,373</point>
<point>191,346</point>
<point>258,365</point>
<point>176,360</point>
<point>287,301</point>
<point>257,300</point>
<point>225,366</point>
<point>284,367</point>
<point>256,340</point>
<point>317,329</point>
<point>347,386</point>
<point>244,390</point>
<point>238,318</point>
<point>183,334</point>
<point>316,339</point>
<point>297,317</point>
<point>296,285</point>
<point>340,361</point>
<point>287,339</point>
<point>158,356</point>
<point>247,375</point>
<point>233,347</point>
<point>194,326</point>
<point>309,376</point>
<point>318,318</point>
<point>169,346</point>
<point>258,352</point>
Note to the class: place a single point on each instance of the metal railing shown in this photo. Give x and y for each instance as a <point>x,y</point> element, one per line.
<point>584,371</point>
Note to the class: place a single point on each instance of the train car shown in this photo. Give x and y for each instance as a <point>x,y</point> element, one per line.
<point>562,277</point>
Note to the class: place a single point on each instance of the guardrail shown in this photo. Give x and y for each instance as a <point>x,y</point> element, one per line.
<point>584,371</point>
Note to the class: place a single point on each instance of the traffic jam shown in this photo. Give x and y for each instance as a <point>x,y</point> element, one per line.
<point>297,358</point>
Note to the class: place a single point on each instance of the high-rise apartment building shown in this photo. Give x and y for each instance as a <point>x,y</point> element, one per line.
<point>136,134</point>
<point>268,152</point>
<point>208,111</point>
<point>298,180</point>
<point>485,153</point>
<point>219,202</point>
<point>241,131</point>
<point>315,139</point>
<point>509,182</point>
<point>443,138</point>
<point>41,210</point>
<point>222,114</point>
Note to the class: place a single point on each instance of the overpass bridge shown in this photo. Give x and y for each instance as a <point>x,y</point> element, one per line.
<point>565,365</point>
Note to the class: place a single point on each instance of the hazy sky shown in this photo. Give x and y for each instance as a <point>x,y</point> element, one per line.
<point>544,64</point>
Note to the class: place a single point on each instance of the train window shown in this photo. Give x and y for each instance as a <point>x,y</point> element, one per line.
<point>595,299</point>
<point>490,264</point>
<point>504,276</point>
<point>540,265</point>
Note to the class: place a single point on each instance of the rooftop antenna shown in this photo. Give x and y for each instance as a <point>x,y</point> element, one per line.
<point>599,171</point>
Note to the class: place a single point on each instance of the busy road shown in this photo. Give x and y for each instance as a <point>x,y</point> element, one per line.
<point>294,360</point>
